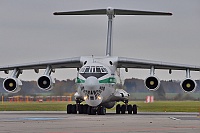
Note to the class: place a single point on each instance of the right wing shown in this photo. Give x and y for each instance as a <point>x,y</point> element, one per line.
<point>12,84</point>
<point>74,62</point>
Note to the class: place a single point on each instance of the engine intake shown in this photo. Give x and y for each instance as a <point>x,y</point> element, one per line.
<point>188,85</point>
<point>45,82</point>
<point>12,85</point>
<point>152,83</point>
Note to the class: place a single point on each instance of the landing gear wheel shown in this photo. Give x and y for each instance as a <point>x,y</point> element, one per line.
<point>69,109</point>
<point>134,109</point>
<point>129,109</point>
<point>85,109</point>
<point>91,110</point>
<point>118,109</point>
<point>101,110</point>
<point>73,109</point>
<point>80,109</point>
<point>123,109</point>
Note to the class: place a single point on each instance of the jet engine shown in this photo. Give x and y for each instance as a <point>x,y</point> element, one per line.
<point>12,85</point>
<point>45,82</point>
<point>188,85</point>
<point>152,83</point>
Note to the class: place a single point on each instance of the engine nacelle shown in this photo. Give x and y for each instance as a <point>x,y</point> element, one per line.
<point>188,85</point>
<point>12,85</point>
<point>152,83</point>
<point>45,82</point>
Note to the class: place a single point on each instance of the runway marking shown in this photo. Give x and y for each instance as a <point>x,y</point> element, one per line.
<point>105,130</point>
<point>40,118</point>
<point>173,118</point>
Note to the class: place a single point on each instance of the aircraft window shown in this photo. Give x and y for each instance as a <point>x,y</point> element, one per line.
<point>87,69</point>
<point>98,70</point>
<point>103,70</point>
<point>92,69</point>
<point>82,70</point>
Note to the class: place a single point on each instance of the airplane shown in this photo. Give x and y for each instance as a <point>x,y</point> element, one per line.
<point>97,75</point>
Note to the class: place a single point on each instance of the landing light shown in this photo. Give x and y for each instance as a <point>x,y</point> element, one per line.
<point>85,97</point>
<point>99,98</point>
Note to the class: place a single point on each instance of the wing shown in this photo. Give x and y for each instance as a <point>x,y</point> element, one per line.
<point>124,62</point>
<point>61,63</point>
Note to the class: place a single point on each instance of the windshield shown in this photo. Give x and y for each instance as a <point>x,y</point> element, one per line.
<point>96,71</point>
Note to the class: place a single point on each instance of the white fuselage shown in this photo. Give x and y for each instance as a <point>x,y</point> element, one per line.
<point>96,82</point>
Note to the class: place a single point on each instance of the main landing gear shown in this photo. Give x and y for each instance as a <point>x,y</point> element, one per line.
<point>121,109</point>
<point>85,109</point>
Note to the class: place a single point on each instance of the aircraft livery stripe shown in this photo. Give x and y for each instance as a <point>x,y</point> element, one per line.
<point>80,80</point>
<point>108,80</point>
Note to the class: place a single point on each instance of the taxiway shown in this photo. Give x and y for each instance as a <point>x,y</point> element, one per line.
<point>60,122</point>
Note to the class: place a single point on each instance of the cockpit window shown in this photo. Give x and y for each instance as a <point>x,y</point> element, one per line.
<point>96,71</point>
<point>92,69</point>
<point>86,69</point>
<point>82,70</point>
<point>104,70</point>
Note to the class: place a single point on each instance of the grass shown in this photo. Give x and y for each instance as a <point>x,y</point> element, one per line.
<point>169,106</point>
<point>158,106</point>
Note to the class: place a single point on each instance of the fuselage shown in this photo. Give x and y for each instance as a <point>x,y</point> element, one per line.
<point>96,82</point>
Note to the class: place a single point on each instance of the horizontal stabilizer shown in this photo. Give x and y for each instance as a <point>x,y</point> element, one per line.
<point>111,11</point>
<point>84,12</point>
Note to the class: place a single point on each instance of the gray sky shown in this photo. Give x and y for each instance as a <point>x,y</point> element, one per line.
<point>29,32</point>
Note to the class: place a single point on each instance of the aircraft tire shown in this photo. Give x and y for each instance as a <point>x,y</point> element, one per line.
<point>129,109</point>
<point>69,109</point>
<point>93,111</point>
<point>123,109</point>
<point>134,109</point>
<point>118,109</point>
<point>73,108</point>
<point>80,109</point>
<point>85,109</point>
<point>89,110</point>
<point>101,110</point>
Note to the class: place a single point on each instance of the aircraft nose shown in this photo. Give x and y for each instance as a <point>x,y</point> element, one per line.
<point>92,83</point>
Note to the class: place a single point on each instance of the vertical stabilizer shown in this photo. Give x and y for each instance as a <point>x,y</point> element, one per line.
<point>111,14</point>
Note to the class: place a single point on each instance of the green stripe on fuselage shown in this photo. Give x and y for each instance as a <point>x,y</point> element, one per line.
<point>80,80</point>
<point>107,80</point>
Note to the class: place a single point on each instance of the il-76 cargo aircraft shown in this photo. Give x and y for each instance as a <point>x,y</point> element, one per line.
<point>97,76</point>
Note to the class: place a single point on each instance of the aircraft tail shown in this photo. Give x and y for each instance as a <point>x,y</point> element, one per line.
<point>110,12</point>
<point>115,12</point>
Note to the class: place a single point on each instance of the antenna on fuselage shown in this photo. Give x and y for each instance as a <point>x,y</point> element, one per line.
<point>111,12</point>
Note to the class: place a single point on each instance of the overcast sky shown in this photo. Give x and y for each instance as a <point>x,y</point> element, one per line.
<point>30,32</point>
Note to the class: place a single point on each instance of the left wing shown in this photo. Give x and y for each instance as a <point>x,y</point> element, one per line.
<point>124,62</point>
